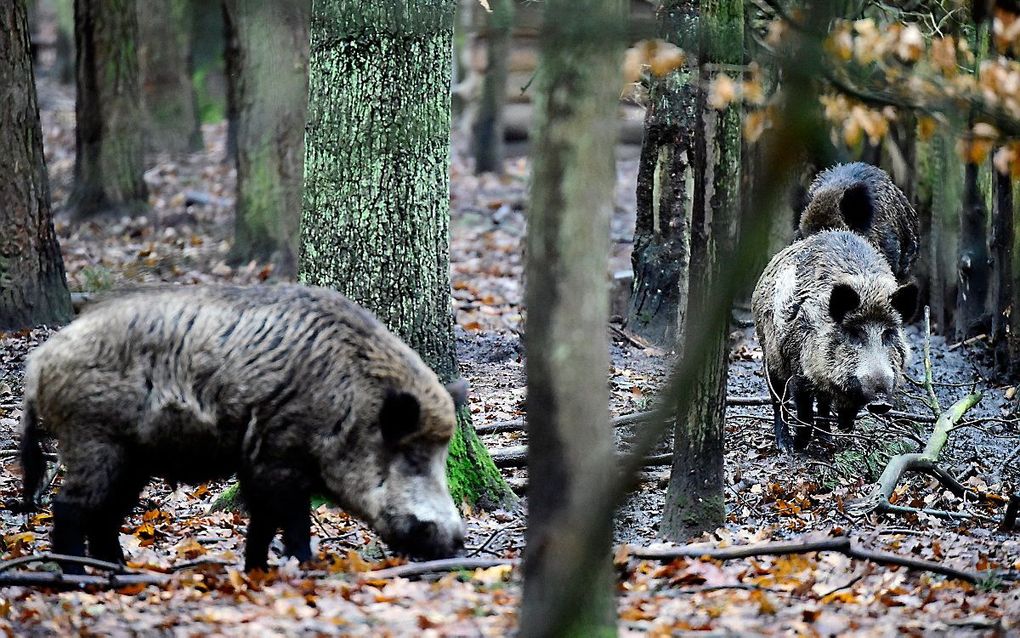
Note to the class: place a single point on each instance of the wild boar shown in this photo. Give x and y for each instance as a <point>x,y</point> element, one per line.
<point>861,198</point>
<point>829,317</point>
<point>297,390</point>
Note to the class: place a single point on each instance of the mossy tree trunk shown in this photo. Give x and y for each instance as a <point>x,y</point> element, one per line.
<point>1001,293</point>
<point>375,215</point>
<point>972,267</point>
<point>946,195</point>
<point>694,499</point>
<point>488,129</point>
<point>665,189</point>
<point>108,137</point>
<point>271,90</point>
<point>33,290</point>
<point>568,589</point>
<point>169,103</point>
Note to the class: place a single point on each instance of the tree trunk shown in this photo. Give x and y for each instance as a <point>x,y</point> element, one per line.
<point>568,585</point>
<point>164,60</point>
<point>272,85</point>
<point>231,60</point>
<point>665,185</point>
<point>488,129</point>
<point>1001,295</point>
<point>947,187</point>
<point>64,65</point>
<point>972,268</point>
<point>375,215</point>
<point>694,498</point>
<point>1014,313</point>
<point>33,289</point>
<point>109,163</point>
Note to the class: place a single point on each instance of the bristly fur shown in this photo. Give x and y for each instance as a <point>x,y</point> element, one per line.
<point>828,312</point>
<point>284,385</point>
<point>862,198</point>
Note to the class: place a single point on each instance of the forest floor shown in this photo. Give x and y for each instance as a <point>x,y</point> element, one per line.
<point>770,495</point>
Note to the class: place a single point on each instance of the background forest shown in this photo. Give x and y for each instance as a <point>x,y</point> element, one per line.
<point>568,205</point>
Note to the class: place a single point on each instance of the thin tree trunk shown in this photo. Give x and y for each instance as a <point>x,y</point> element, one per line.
<point>375,216</point>
<point>694,498</point>
<point>231,60</point>
<point>271,89</point>
<point>972,268</point>
<point>1014,314</point>
<point>570,451</point>
<point>1001,296</point>
<point>947,188</point>
<point>665,185</point>
<point>488,128</point>
<point>169,103</point>
<point>109,163</point>
<point>64,65</point>
<point>33,290</point>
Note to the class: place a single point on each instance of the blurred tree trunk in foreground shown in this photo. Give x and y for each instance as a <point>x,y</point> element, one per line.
<point>665,184</point>
<point>271,88</point>
<point>109,163</point>
<point>570,443</point>
<point>164,59</point>
<point>694,500</point>
<point>376,210</point>
<point>487,130</point>
<point>33,290</point>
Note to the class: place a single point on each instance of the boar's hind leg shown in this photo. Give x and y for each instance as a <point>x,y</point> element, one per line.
<point>805,402</point>
<point>98,491</point>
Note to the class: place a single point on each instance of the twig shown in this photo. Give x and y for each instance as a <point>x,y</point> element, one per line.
<point>841,544</point>
<point>967,342</point>
<point>437,567</point>
<point>934,400</point>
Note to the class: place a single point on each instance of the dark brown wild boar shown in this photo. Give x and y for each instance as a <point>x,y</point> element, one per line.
<point>829,317</point>
<point>297,390</point>
<point>861,198</point>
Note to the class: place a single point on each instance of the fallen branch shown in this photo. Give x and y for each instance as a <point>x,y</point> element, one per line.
<point>517,456</point>
<point>63,559</point>
<point>841,544</point>
<point>440,566</point>
<point>519,425</point>
<point>65,581</point>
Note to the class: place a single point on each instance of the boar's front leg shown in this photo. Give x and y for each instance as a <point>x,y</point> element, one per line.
<point>777,391</point>
<point>846,417</point>
<point>285,505</point>
<point>823,421</point>
<point>805,402</point>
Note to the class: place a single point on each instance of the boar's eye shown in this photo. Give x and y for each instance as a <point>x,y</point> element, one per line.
<point>399,417</point>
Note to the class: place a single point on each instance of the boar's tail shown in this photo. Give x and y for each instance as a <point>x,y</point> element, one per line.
<point>33,463</point>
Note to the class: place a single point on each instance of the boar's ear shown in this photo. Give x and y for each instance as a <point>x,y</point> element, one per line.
<point>843,300</point>
<point>459,391</point>
<point>399,417</point>
<point>904,300</point>
<point>857,208</point>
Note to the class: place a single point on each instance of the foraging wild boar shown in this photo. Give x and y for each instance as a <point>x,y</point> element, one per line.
<point>297,390</point>
<point>861,198</point>
<point>829,317</point>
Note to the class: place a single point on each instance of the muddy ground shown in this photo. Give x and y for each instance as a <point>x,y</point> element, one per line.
<point>770,495</point>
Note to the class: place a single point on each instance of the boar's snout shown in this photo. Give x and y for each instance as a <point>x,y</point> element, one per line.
<point>877,385</point>
<point>427,539</point>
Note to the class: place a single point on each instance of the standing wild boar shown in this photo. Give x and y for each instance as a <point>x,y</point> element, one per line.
<point>829,317</point>
<point>297,390</point>
<point>861,198</point>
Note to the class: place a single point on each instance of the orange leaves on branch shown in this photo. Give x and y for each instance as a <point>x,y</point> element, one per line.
<point>657,57</point>
<point>855,121</point>
<point>722,91</point>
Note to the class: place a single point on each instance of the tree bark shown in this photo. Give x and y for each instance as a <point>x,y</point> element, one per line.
<point>33,289</point>
<point>271,89</point>
<point>375,213</point>
<point>488,129</point>
<point>567,583</point>
<point>169,103</point>
<point>972,267</point>
<point>109,163</point>
<point>947,188</point>
<point>231,60</point>
<point>694,498</point>
<point>1001,295</point>
<point>64,65</point>
<point>665,185</point>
